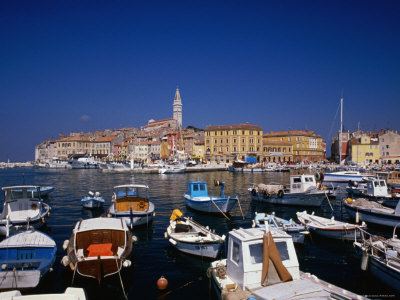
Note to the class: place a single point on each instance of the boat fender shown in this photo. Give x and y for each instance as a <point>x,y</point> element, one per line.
<point>162,283</point>
<point>357,217</point>
<point>65,261</point>
<point>91,194</point>
<point>127,263</point>
<point>65,244</point>
<point>280,193</point>
<point>317,176</point>
<point>223,237</point>
<point>4,267</point>
<point>43,220</point>
<point>134,239</point>
<point>254,192</point>
<point>165,235</point>
<point>349,201</point>
<point>48,214</point>
<point>364,261</point>
<point>253,224</point>
<point>173,242</point>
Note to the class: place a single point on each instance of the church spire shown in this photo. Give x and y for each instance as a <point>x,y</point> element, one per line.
<point>177,109</point>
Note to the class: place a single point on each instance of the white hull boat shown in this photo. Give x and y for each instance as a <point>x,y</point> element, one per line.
<point>192,238</point>
<point>69,294</point>
<point>329,228</point>
<point>172,169</point>
<point>92,200</point>
<point>345,176</point>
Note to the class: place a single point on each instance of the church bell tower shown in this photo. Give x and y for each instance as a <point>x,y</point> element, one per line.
<point>177,107</point>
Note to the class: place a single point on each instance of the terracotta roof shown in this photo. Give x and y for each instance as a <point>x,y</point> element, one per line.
<point>74,139</point>
<point>238,126</point>
<point>292,133</point>
<point>279,143</point>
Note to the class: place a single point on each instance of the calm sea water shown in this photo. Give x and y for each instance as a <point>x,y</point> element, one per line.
<point>333,261</point>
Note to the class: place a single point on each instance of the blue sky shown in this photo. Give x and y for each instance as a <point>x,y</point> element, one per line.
<point>91,65</point>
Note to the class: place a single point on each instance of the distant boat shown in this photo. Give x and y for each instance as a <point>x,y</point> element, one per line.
<point>131,203</point>
<point>25,258</point>
<point>190,237</point>
<point>84,162</point>
<point>92,200</point>
<point>303,191</point>
<point>345,176</point>
<point>329,228</point>
<point>172,169</point>
<point>197,198</point>
<point>22,210</point>
<point>98,247</point>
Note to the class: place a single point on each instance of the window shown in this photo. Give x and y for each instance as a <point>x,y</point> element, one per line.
<point>243,141</point>
<point>202,187</point>
<point>265,149</point>
<point>195,187</point>
<point>235,252</point>
<point>256,253</point>
<point>221,141</point>
<point>242,149</point>
<point>234,140</point>
<point>234,149</point>
<point>227,141</point>
<point>243,132</point>
<point>215,141</point>
<point>251,141</point>
<point>296,180</point>
<point>227,149</point>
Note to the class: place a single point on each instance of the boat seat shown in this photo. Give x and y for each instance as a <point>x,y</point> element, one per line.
<point>182,228</point>
<point>100,250</point>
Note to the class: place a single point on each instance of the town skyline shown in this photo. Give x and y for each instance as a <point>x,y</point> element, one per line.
<point>76,67</point>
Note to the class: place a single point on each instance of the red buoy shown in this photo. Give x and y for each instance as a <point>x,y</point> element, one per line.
<point>162,283</point>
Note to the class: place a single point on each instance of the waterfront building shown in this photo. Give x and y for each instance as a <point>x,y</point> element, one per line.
<point>307,146</point>
<point>277,151</point>
<point>154,150</point>
<point>389,147</point>
<point>198,150</point>
<point>230,142</point>
<point>177,108</point>
<point>71,145</point>
<point>365,149</point>
<point>335,147</point>
<point>103,145</point>
<point>46,151</point>
<point>141,152</point>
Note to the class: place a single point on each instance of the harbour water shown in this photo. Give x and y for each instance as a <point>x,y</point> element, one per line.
<point>333,261</point>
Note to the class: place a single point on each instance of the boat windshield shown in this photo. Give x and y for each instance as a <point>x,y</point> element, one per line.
<point>256,252</point>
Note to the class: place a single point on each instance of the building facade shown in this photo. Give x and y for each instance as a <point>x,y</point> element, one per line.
<point>365,149</point>
<point>389,147</point>
<point>277,151</point>
<point>307,146</point>
<point>230,142</point>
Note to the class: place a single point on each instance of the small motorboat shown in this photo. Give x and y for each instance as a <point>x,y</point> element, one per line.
<point>69,294</point>
<point>190,237</point>
<point>98,247</point>
<point>329,228</point>
<point>381,257</point>
<point>92,200</point>
<point>369,211</point>
<point>197,198</point>
<point>44,191</point>
<point>303,191</point>
<point>22,210</point>
<point>345,176</point>
<point>131,203</point>
<point>297,231</point>
<point>263,264</point>
<point>25,258</point>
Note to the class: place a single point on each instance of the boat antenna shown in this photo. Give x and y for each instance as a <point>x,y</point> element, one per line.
<point>341,129</point>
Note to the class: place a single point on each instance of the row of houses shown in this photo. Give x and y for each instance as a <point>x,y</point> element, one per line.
<point>360,147</point>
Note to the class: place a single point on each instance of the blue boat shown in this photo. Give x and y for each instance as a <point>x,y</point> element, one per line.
<point>25,258</point>
<point>198,199</point>
<point>297,231</point>
<point>92,200</point>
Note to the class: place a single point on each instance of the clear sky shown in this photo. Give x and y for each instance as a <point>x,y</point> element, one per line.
<point>91,65</point>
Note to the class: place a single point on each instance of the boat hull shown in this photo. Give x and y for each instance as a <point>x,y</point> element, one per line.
<point>99,268</point>
<point>209,250</point>
<point>211,204</point>
<point>298,199</point>
<point>92,204</point>
<point>369,216</point>
<point>137,218</point>
<point>338,234</point>
<point>340,178</point>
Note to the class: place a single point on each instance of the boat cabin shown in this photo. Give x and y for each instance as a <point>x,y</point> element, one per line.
<point>302,183</point>
<point>390,177</point>
<point>131,196</point>
<point>197,189</point>
<point>245,255</point>
<point>376,187</point>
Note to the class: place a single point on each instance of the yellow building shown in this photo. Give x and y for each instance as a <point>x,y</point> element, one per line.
<point>307,146</point>
<point>230,142</point>
<point>277,151</point>
<point>198,150</point>
<point>364,150</point>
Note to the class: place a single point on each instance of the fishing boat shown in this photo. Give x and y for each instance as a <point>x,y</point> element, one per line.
<point>297,231</point>
<point>92,200</point>
<point>190,237</point>
<point>381,257</point>
<point>345,176</point>
<point>44,191</point>
<point>369,211</point>
<point>131,203</point>
<point>25,258</point>
<point>98,247</point>
<point>373,189</point>
<point>84,162</point>
<point>303,191</point>
<point>197,198</point>
<point>22,210</point>
<point>69,294</point>
<point>329,228</point>
<point>172,169</point>
<point>262,263</point>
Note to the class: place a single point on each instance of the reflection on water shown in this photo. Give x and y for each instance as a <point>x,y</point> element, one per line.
<point>153,257</point>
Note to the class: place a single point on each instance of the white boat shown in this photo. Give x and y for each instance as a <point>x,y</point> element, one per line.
<point>172,169</point>
<point>297,231</point>
<point>84,162</point>
<point>374,189</point>
<point>25,258</point>
<point>44,191</point>
<point>329,228</point>
<point>22,210</point>
<point>92,200</point>
<point>98,247</point>
<point>381,257</point>
<point>303,191</point>
<point>369,211</point>
<point>69,294</point>
<point>197,198</point>
<point>345,176</point>
<point>190,237</point>
<point>131,203</point>
<point>264,265</point>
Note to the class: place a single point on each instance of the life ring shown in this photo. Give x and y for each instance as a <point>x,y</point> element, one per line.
<point>254,192</point>
<point>265,195</point>
<point>280,193</point>
<point>317,176</point>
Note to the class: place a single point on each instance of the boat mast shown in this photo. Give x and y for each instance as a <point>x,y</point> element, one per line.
<point>341,129</point>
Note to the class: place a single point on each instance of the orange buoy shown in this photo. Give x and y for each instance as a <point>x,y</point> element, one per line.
<point>162,283</point>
